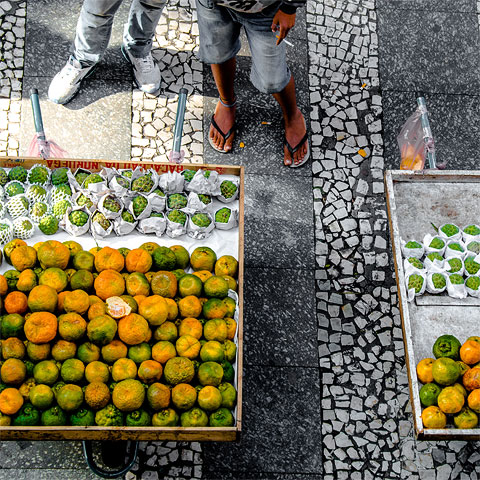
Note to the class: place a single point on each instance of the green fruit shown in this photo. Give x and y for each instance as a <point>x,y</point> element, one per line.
<point>59,176</point>
<point>413,244</point>
<point>201,220</point>
<point>78,218</point>
<point>81,176</point>
<point>63,189</point>
<point>435,256</point>
<point>429,394</point>
<point>228,189</point>
<point>416,282</point>
<point>456,247</point>
<point>60,208</point>
<point>157,214</point>
<point>205,199</point>
<point>127,173</point>
<point>159,192</point>
<point>14,188</point>
<point>223,215</point>
<point>17,206</point>
<point>455,265</point>
<point>473,230</point>
<point>54,416</point>
<point>138,418</point>
<point>35,191</point>
<point>164,259</point>
<point>449,230</point>
<point>456,279</point>
<point>83,200</point>
<point>3,177</point>
<point>22,228</point>
<point>111,204</point>
<point>82,418</point>
<point>474,247</point>
<point>439,281</point>
<point>27,416</point>
<point>142,184</point>
<point>109,416</point>
<point>177,201</point>
<point>471,266</point>
<point>437,243</point>
<point>139,204</point>
<point>473,282</point>
<point>38,174</point>
<point>177,216</point>
<point>18,173</point>
<point>122,181</point>
<point>127,217</point>
<point>188,175</point>
<point>194,417</point>
<point>416,263</point>
<point>101,220</point>
<point>221,418</point>
<point>91,179</point>
<point>447,346</point>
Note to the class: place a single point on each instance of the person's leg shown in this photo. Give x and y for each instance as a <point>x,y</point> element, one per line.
<point>219,45</point>
<point>270,74</point>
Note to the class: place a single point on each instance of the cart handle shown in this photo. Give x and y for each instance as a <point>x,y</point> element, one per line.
<point>87,452</point>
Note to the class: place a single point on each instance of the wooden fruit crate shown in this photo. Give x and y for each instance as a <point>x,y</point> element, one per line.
<point>145,433</point>
<point>414,201</point>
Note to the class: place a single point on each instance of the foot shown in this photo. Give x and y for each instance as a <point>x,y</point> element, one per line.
<point>225,118</point>
<point>67,82</point>
<point>295,129</point>
<point>145,71</point>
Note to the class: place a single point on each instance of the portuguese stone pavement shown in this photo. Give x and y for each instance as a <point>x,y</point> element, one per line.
<point>325,385</point>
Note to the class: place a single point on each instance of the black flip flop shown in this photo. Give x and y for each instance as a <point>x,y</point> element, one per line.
<point>225,136</point>
<point>295,149</point>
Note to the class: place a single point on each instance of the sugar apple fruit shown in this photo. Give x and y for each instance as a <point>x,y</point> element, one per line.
<point>413,244</point>
<point>474,247</point>
<point>48,225</point>
<point>456,279</point>
<point>14,188</point>
<point>139,204</point>
<point>18,173</point>
<point>84,201</point>
<point>101,220</point>
<point>435,256</point>
<point>91,179</point>
<point>111,204</point>
<point>188,175</point>
<point>473,230</point>
<point>416,263</point>
<point>142,184</point>
<point>201,220</point>
<point>81,176</point>
<point>473,282</point>
<point>59,176</point>
<point>439,281</point>
<point>449,229</point>
<point>38,174</point>
<point>60,208</point>
<point>223,215</point>
<point>78,218</point>
<point>455,265</point>
<point>127,217</point>
<point>456,247</point>
<point>3,177</point>
<point>471,266</point>
<point>177,201</point>
<point>228,188</point>
<point>177,216</point>
<point>205,199</point>
<point>437,243</point>
<point>416,282</point>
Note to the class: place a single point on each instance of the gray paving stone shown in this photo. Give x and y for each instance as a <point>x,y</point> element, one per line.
<point>429,5</point>
<point>279,231</point>
<point>47,474</point>
<point>95,124</point>
<point>417,45</point>
<point>281,418</point>
<point>280,310</point>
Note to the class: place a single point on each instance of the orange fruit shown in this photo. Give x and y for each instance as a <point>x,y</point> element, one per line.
<point>124,368</point>
<point>3,286</point>
<point>164,283</point>
<point>190,284</point>
<point>215,286</point>
<point>190,326</point>
<point>433,417</point>
<point>203,275</point>
<point>450,400</point>
<point>471,379</point>
<point>16,302</point>
<point>470,352</point>
<point>179,370</point>
<point>70,397</point>
<point>172,309</point>
<point>215,329</point>
<point>445,371</point>
<point>76,301</point>
<point>128,395</point>
<point>83,261</point>
<point>166,331</point>
<point>60,299</point>
<point>212,351</point>
<point>209,398</point>
<point>53,254</point>
<point>154,309</point>
<point>97,372</point>
<point>190,306</point>
<point>158,396</point>
<point>109,259</point>
<point>226,265</point>
<point>113,351</point>
<point>71,326</point>
<point>23,257</point>
<point>133,329</point>
<point>41,327</point>
<point>41,396</point>
<point>13,371</point>
<point>188,346</point>
<point>11,401</point>
<point>37,353</point>
<point>109,283</point>
<point>474,400</point>
<point>203,258</point>
<point>74,247</point>
<point>232,329</point>
<point>46,372</point>
<point>42,298</point>
<point>184,396</point>
<point>26,281</point>
<point>137,284</point>
<point>88,352</point>
<point>150,247</point>
<point>101,330</point>
<point>163,351</point>
<point>466,419</point>
<point>150,371</point>
<point>97,395</point>
<point>63,350</point>
<point>13,347</point>
<point>138,260</point>
<point>181,255</point>
<point>214,308</point>
<point>141,352</point>
<point>210,373</point>
<point>72,370</point>
<point>55,278</point>
<point>97,309</point>
<point>82,280</point>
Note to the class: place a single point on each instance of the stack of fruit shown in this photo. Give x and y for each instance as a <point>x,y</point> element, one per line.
<point>448,261</point>
<point>451,389</point>
<point>117,336</point>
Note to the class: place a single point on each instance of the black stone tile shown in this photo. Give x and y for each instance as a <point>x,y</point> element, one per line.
<point>280,310</point>
<point>455,122</point>
<point>278,222</point>
<point>95,124</point>
<point>50,35</point>
<point>430,51</point>
<point>429,5</point>
<point>281,431</point>
<point>264,476</point>
<point>48,474</point>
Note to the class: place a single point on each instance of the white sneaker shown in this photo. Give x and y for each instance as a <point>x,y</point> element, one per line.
<point>145,71</point>
<point>66,83</point>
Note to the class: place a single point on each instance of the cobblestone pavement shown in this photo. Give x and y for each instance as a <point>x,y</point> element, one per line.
<point>364,67</point>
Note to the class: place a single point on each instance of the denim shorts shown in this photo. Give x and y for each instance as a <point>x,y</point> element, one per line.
<point>219,29</point>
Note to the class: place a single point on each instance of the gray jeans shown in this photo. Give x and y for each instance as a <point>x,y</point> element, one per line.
<point>94,28</point>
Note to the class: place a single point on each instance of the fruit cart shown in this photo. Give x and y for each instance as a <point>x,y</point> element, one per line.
<point>227,242</point>
<point>415,201</point>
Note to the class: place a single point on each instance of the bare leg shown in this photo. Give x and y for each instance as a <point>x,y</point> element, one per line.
<point>224,75</point>
<point>295,126</point>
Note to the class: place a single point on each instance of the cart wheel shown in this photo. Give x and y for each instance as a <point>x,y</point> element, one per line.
<point>111,451</point>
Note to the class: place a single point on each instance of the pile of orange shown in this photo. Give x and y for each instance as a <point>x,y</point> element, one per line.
<point>106,337</point>
<point>451,384</point>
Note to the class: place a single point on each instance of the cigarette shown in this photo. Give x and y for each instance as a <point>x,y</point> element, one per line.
<point>286,41</point>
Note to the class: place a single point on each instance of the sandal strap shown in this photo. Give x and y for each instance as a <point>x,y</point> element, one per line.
<point>228,105</point>
<point>299,144</point>
<point>217,128</point>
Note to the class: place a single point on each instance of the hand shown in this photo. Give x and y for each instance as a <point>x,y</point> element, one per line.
<point>282,23</point>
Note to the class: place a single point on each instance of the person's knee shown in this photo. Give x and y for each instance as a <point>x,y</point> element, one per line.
<point>269,83</point>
